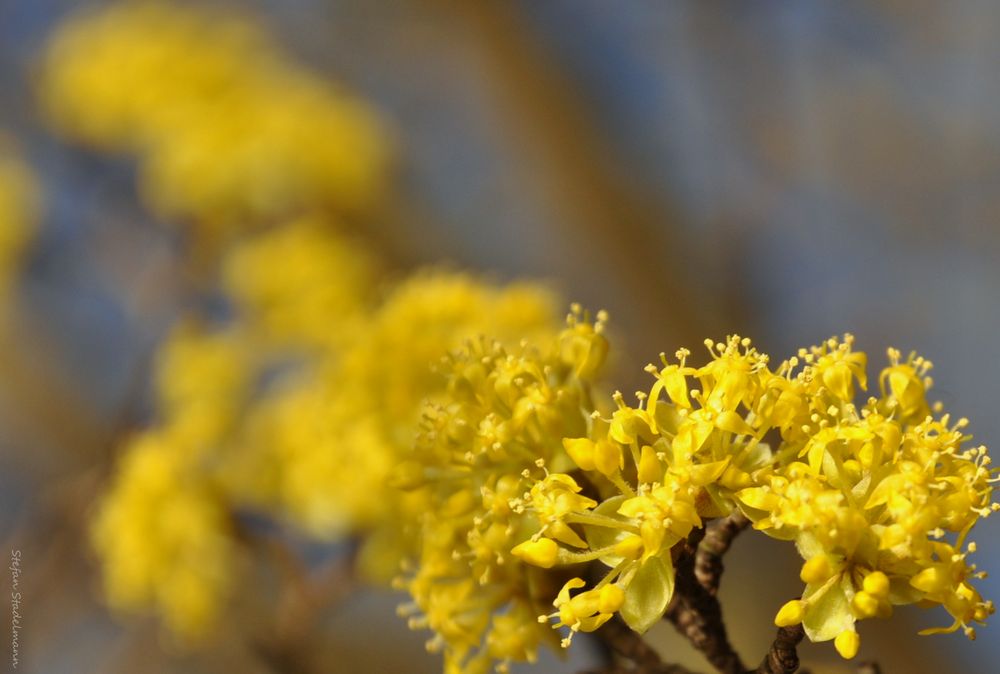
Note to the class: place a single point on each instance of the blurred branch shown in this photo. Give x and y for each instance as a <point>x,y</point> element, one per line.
<point>44,396</point>
<point>632,234</point>
<point>53,527</point>
<point>284,644</point>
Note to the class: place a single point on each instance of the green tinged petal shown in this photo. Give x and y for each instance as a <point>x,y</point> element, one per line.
<point>648,594</point>
<point>599,537</point>
<point>829,611</point>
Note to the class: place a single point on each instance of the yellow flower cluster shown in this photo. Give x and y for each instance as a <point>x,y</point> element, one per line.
<point>301,406</point>
<point>228,132</point>
<point>202,381</point>
<point>163,531</point>
<point>301,285</point>
<point>326,442</point>
<point>305,405</point>
<point>18,213</point>
<point>500,429</point>
<point>234,139</point>
<point>868,494</point>
<point>288,286</point>
<point>163,537</point>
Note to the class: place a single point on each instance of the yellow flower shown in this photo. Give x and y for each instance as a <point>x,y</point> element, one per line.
<point>665,515</point>
<point>310,457</point>
<point>97,86</point>
<point>498,430</point>
<point>274,146</point>
<point>660,467</point>
<point>865,492</point>
<point>587,610</point>
<point>905,385</point>
<point>551,500</point>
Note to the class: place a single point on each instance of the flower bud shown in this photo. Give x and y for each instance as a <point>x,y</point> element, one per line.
<point>865,605</point>
<point>629,547</point>
<point>877,583</point>
<point>581,450</point>
<point>611,599</point>
<point>790,614</point>
<point>847,644</point>
<point>542,552</point>
<point>816,570</point>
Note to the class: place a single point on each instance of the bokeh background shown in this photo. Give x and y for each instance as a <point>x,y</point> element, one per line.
<point>787,170</point>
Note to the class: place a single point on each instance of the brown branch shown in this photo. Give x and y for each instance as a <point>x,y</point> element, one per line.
<point>286,647</point>
<point>719,536</point>
<point>281,658</point>
<point>782,658</point>
<point>696,613</point>
<point>662,668</point>
<point>625,644</point>
<point>629,644</point>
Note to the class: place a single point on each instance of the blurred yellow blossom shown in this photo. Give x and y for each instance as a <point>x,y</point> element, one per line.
<point>227,130</point>
<point>163,536</point>
<point>301,284</point>
<point>306,427</point>
<point>162,530</point>
<point>98,64</point>
<point>203,379</point>
<point>330,437</point>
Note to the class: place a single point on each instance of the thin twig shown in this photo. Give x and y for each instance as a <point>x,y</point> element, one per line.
<point>719,536</point>
<point>782,658</point>
<point>696,613</point>
<point>662,668</point>
<point>629,645</point>
<point>285,647</point>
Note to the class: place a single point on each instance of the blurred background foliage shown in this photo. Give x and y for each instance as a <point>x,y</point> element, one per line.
<point>784,170</point>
